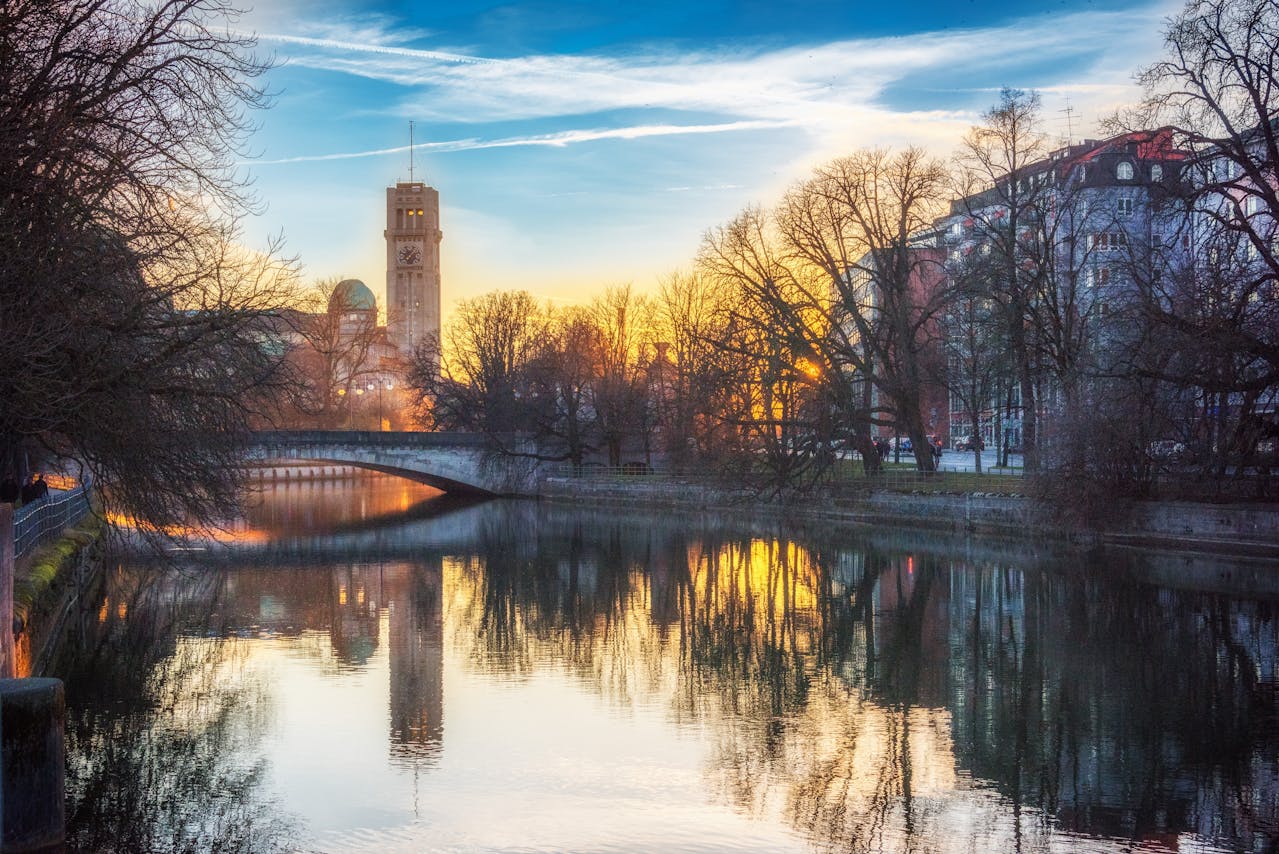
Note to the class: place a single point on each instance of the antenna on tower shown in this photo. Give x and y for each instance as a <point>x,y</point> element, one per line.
<point>1070,124</point>
<point>410,151</point>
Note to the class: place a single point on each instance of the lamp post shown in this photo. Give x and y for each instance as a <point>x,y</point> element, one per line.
<point>389,386</point>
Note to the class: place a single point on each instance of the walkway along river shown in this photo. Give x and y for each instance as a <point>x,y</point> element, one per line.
<point>374,667</point>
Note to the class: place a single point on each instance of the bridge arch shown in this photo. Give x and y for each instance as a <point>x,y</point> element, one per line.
<point>453,462</point>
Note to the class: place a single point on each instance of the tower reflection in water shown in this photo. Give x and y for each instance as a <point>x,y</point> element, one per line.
<point>865,691</point>
<point>361,608</point>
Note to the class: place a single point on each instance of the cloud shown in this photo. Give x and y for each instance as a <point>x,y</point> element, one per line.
<point>777,84</point>
<point>557,139</point>
<point>837,93</point>
<point>377,46</point>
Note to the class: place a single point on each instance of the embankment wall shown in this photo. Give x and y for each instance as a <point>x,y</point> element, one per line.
<point>1246,529</point>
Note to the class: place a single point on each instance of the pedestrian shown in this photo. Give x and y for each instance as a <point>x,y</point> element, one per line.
<point>30,492</point>
<point>42,487</point>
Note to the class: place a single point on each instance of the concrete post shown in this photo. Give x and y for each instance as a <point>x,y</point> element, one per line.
<point>7,662</point>
<point>32,777</point>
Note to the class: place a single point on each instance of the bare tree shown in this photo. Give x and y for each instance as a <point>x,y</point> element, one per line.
<point>617,394</point>
<point>772,343</point>
<point>560,412</point>
<point>1007,205</point>
<point>974,344</point>
<point>336,353</point>
<point>132,326</point>
<point>841,276</point>
<point>476,381</point>
<point>693,397</point>
<point>1218,90</point>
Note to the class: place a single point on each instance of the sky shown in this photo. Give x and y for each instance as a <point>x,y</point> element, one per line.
<point>579,145</point>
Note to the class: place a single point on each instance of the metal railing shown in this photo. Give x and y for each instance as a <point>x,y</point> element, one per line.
<point>42,520</point>
<point>842,478</point>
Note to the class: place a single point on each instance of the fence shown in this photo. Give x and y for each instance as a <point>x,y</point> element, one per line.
<point>38,521</point>
<point>844,477</point>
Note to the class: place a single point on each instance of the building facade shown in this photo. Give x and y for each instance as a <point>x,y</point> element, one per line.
<point>1068,236</point>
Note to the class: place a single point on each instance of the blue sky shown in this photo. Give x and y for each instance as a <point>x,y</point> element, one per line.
<point>578,145</point>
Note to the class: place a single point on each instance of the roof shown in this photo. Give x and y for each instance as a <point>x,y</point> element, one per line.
<point>352,295</point>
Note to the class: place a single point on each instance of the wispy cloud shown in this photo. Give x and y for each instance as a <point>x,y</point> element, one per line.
<point>558,139</point>
<point>767,84</point>
<point>836,91</point>
<point>379,46</point>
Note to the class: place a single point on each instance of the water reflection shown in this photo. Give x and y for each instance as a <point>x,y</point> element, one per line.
<point>879,691</point>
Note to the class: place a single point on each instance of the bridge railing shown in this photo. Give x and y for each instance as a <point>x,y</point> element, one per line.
<point>39,521</point>
<point>366,438</point>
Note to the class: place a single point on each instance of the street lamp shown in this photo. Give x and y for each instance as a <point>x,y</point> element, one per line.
<point>389,386</point>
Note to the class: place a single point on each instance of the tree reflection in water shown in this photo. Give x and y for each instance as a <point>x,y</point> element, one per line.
<point>883,700</point>
<point>874,691</point>
<point>161,731</point>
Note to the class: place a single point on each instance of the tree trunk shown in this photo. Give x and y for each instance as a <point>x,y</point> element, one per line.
<point>976,440</point>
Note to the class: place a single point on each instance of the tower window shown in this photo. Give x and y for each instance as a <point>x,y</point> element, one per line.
<point>1156,172</point>
<point>1124,171</point>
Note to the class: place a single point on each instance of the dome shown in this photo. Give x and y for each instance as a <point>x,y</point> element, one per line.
<point>352,295</point>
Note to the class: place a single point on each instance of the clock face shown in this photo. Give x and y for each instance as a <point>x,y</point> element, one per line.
<point>409,254</point>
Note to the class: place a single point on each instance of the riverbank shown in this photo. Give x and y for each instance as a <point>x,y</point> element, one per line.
<point>48,585</point>
<point>1248,530</point>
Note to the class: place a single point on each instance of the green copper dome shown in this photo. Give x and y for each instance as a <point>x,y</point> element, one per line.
<point>352,295</point>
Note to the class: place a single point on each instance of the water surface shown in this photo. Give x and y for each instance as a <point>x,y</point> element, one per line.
<point>371,666</point>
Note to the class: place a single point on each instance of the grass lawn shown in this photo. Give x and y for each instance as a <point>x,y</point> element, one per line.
<point>903,477</point>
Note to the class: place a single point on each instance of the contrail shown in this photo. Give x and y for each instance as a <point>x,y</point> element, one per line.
<point>556,140</point>
<point>377,48</point>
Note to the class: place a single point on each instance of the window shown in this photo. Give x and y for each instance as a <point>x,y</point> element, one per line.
<point>1156,172</point>
<point>1124,172</point>
<point>1126,207</point>
<point>1108,241</point>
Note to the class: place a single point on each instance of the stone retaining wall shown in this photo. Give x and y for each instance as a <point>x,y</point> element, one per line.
<point>1245,529</point>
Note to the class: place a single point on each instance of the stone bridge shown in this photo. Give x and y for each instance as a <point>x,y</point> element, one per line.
<point>453,462</point>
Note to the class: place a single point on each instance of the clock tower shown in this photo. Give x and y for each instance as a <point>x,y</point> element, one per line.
<point>412,264</point>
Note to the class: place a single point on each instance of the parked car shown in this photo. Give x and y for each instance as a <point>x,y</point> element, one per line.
<point>970,443</point>
<point>1166,450</point>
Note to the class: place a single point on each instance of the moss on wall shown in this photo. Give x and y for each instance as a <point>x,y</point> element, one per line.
<point>40,580</point>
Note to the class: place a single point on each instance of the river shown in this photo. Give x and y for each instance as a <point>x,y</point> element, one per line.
<point>369,665</point>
